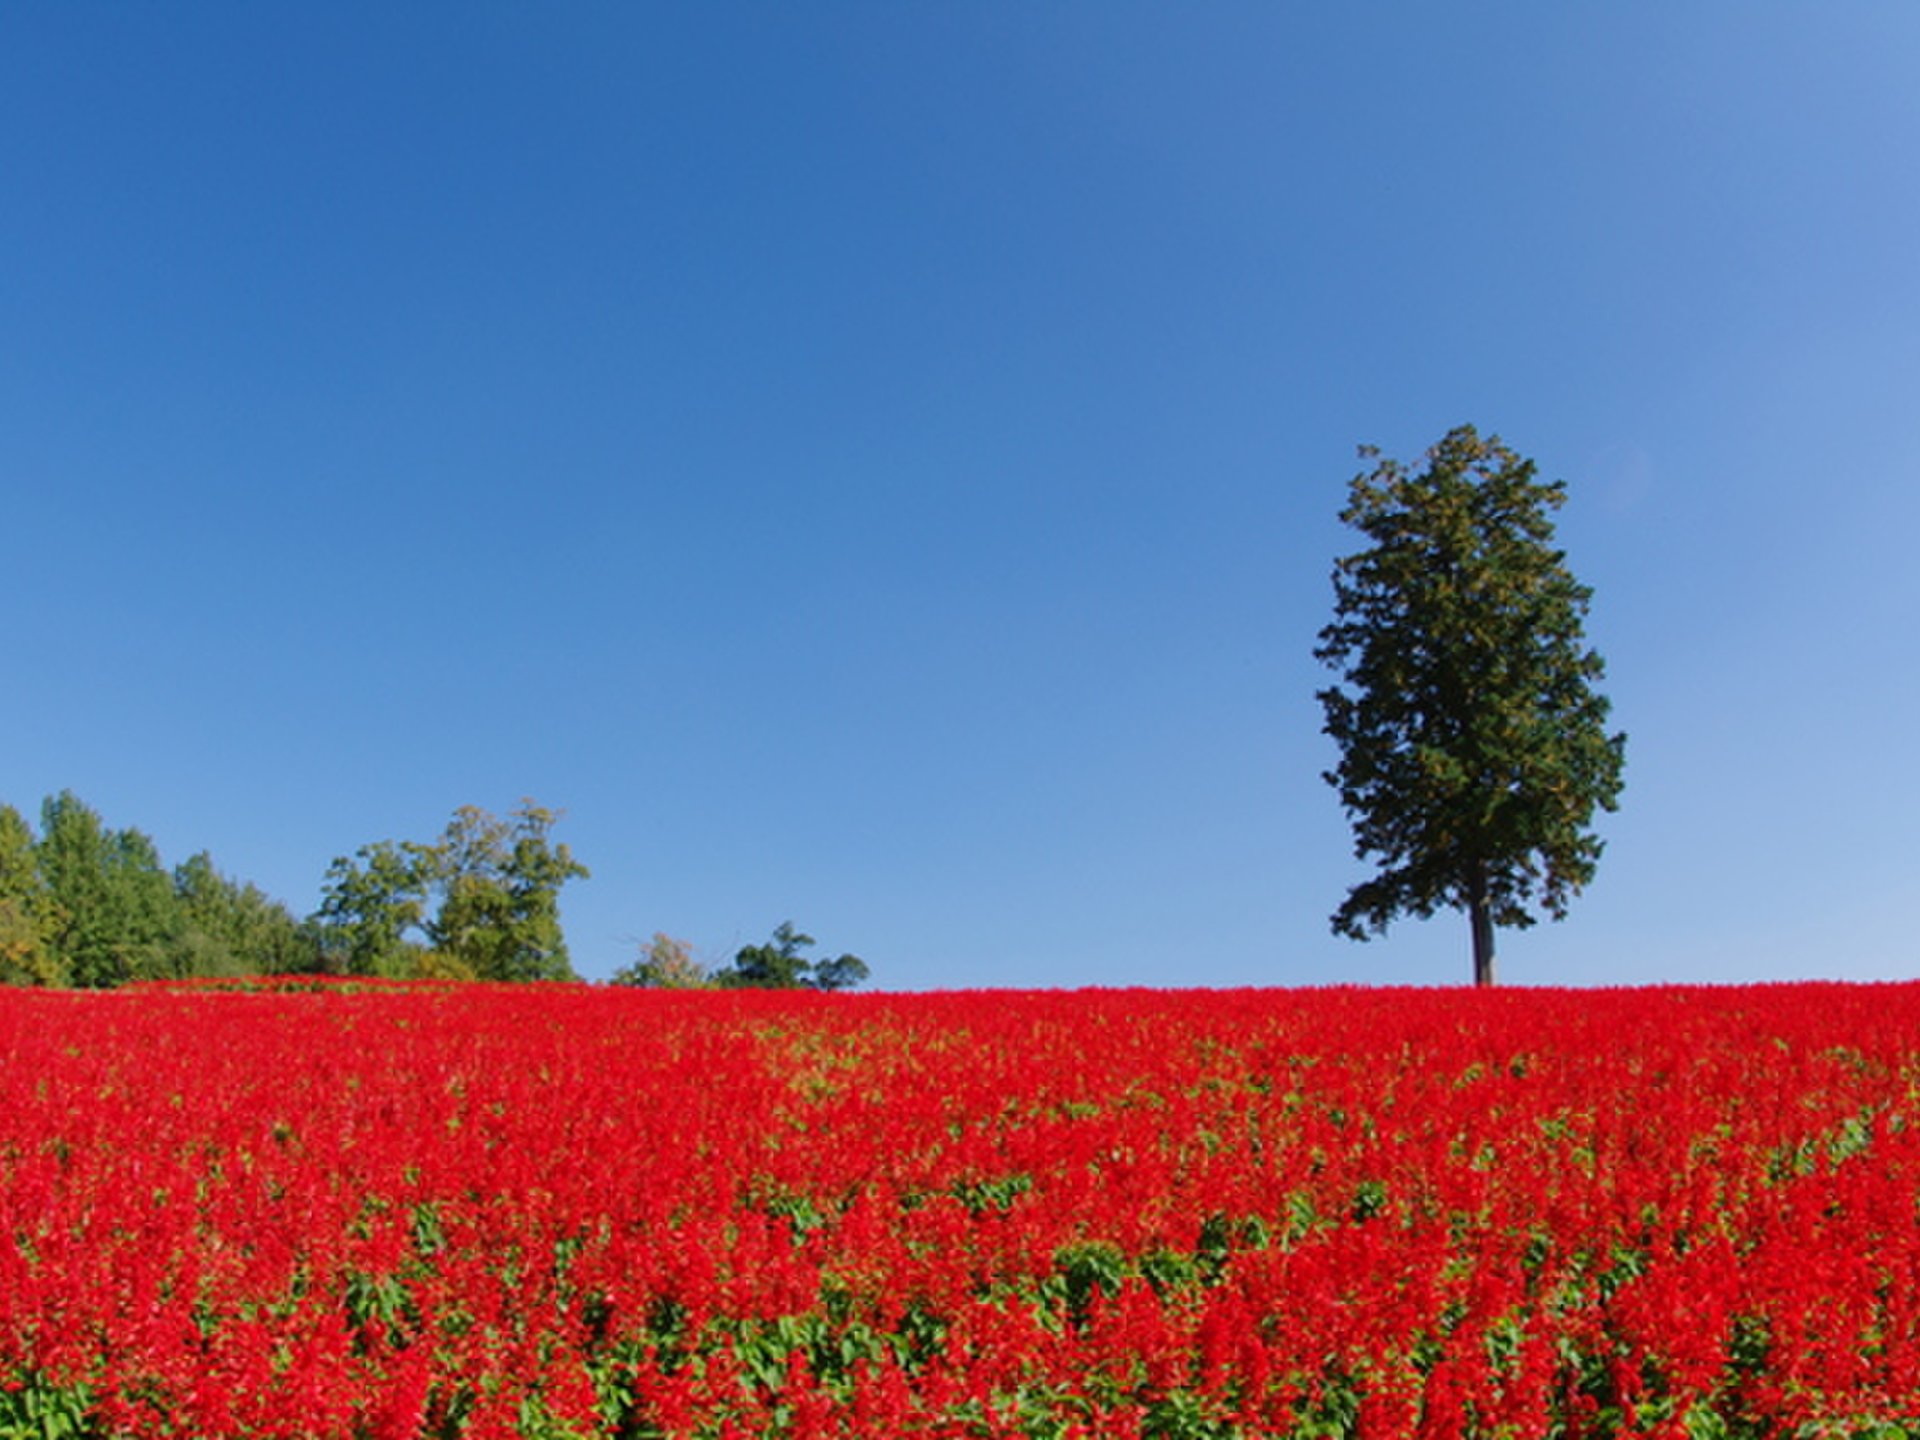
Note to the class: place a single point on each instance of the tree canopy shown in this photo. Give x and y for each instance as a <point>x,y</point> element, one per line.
<point>232,927</point>
<point>779,965</point>
<point>666,964</point>
<point>28,915</point>
<point>115,916</point>
<point>483,901</point>
<point>1473,742</point>
<point>89,906</point>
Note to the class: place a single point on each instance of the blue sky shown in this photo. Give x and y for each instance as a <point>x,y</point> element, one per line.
<point>877,465</point>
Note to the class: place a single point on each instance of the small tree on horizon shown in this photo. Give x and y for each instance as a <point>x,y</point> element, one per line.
<point>779,965</point>
<point>1473,745</point>
<point>666,964</point>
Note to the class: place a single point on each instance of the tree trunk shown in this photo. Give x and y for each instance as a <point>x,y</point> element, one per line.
<point>1482,920</point>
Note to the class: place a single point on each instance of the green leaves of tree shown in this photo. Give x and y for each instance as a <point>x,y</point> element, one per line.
<point>482,902</point>
<point>28,914</point>
<point>500,882</point>
<point>779,965</point>
<point>666,964</point>
<point>370,904</point>
<point>116,919</point>
<point>235,928</point>
<point>1474,747</point>
<point>87,906</point>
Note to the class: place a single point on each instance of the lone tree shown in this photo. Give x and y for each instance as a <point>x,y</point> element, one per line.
<point>1473,745</point>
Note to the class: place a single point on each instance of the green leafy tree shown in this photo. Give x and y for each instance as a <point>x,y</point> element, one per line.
<point>231,928</point>
<point>779,965</point>
<point>118,919</point>
<point>666,964</point>
<point>500,882</point>
<point>843,972</point>
<point>1473,744</point>
<point>483,901</point>
<point>28,915</point>
<point>369,904</point>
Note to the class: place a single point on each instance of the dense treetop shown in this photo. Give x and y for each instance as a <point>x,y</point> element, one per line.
<point>1474,747</point>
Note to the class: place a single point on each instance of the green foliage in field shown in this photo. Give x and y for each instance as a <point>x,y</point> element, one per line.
<point>32,1409</point>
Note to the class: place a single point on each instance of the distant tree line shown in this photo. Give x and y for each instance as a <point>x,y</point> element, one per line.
<point>87,906</point>
<point>91,907</point>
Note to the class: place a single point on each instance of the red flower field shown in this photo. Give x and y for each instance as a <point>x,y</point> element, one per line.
<point>567,1211</point>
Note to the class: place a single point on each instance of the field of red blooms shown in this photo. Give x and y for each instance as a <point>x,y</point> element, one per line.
<point>568,1211</point>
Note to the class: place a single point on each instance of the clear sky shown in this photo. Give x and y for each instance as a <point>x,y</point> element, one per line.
<point>878,465</point>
